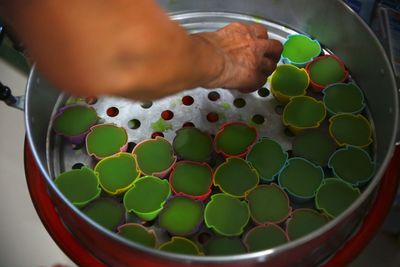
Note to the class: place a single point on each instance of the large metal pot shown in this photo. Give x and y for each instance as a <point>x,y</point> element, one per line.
<point>337,28</point>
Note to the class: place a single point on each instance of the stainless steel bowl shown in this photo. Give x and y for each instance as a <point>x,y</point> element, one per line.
<point>338,29</point>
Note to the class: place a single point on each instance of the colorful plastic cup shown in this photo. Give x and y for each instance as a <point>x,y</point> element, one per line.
<point>181,216</point>
<point>288,81</point>
<point>105,140</point>
<point>264,237</point>
<point>268,204</point>
<point>326,70</point>
<point>117,173</point>
<point>268,158</point>
<point>301,179</point>
<point>147,196</point>
<point>352,165</point>
<point>74,121</point>
<point>334,196</point>
<point>300,49</point>
<point>343,98</point>
<point>191,179</point>
<point>181,245</point>
<point>155,157</point>
<point>302,113</point>
<point>226,215</point>
<point>137,233</point>
<point>79,186</point>
<point>107,212</point>
<point>314,145</point>
<point>236,177</point>
<point>235,139</point>
<point>349,129</point>
<point>192,144</point>
<point>223,246</point>
<point>303,222</point>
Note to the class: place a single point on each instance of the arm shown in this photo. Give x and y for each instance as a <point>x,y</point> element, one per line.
<point>131,48</point>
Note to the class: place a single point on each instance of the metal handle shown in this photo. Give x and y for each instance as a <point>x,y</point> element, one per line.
<point>12,101</point>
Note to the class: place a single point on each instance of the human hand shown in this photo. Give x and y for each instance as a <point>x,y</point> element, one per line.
<point>249,56</point>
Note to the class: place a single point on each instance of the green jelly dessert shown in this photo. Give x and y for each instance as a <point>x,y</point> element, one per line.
<point>106,140</point>
<point>79,186</point>
<point>181,245</point>
<point>343,98</point>
<point>264,237</point>
<point>147,197</point>
<point>192,144</point>
<point>117,173</point>
<point>326,70</point>
<point>138,233</point>
<point>226,215</point>
<point>335,196</point>
<point>268,158</point>
<point>154,156</point>
<point>191,179</point>
<point>222,246</point>
<point>181,216</point>
<point>235,139</point>
<point>268,204</point>
<point>107,212</point>
<point>236,177</point>
<point>304,221</point>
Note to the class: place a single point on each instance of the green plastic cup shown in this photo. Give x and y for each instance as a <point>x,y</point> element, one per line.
<point>107,212</point>
<point>343,98</point>
<point>147,197</point>
<point>352,165</point>
<point>300,49</point>
<point>226,215</point>
<point>268,158</point>
<point>288,81</point>
<point>264,237</point>
<point>303,222</point>
<point>223,246</point>
<point>79,186</point>
<point>334,196</point>
<point>181,245</point>
<point>236,177</point>
<point>139,234</point>
<point>192,144</point>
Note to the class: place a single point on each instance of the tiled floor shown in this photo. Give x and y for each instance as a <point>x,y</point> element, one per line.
<point>25,242</point>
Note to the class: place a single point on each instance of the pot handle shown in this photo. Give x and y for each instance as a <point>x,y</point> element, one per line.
<point>17,102</point>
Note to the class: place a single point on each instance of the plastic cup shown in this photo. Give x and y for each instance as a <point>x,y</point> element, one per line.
<point>314,145</point>
<point>268,158</point>
<point>302,113</point>
<point>264,237</point>
<point>303,222</point>
<point>235,177</point>
<point>223,246</point>
<point>300,49</point>
<point>349,129</point>
<point>139,234</point>
<point>226,215</point>
<point>147,197</point>
<point>301,179</point>
<point>155,157</point>
<point>334,196</point>
<point>288,81</point>
<point>268,204</point>
<point>181,245</point>
<point>105,140</point>
<point>181,216</point>
<point>79,186</point>
<point>117,173</point>
<point>326,70</point>
<point>74,121</point>
<point>235,139</point>
<point>191,179</point>
<point>343,98</point>
<point>353,165</point>
<point>107,212</point>
<point>192,144</point>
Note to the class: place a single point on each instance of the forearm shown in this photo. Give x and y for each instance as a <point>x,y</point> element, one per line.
<point>127,48</point>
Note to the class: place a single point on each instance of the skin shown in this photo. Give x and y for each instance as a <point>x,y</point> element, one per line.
<point>131,48</point>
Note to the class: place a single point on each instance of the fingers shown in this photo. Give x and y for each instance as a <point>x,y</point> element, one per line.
<point>271,49</point>
<point>267,66</point>
<point>258,31</point>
